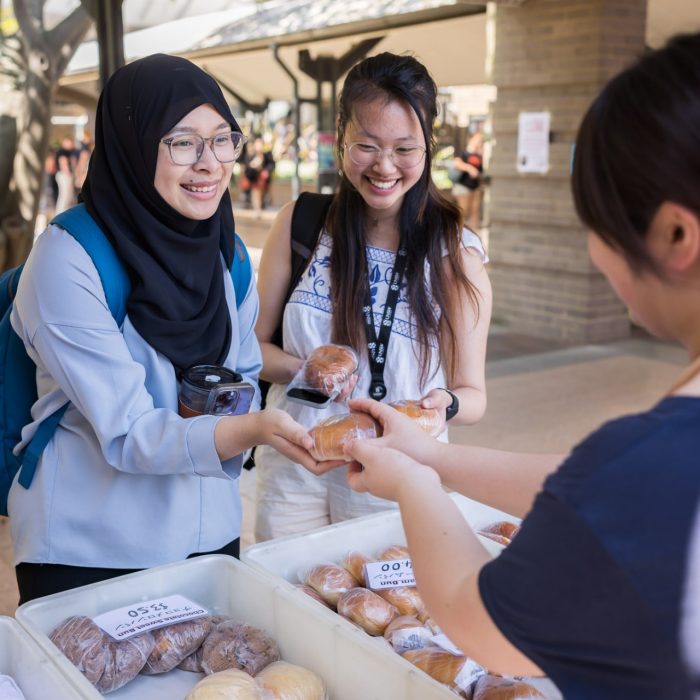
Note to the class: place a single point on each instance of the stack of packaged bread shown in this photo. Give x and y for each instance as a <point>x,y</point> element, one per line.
<point>399,616</point>
<point>240,662</point>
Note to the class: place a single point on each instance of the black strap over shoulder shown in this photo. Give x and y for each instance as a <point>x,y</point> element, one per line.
<point>308,218</point>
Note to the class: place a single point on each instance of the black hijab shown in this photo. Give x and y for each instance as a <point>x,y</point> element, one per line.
<point>177,302</point>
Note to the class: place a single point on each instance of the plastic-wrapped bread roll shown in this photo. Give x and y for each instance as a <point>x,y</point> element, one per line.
<point>193,662</point>
<point>234,645</point>
<point>498,688</point>
<point>355,562</point>
<point>311,593</point>
<point>503,529</point>
<point>429,419</point>
<point>331,435</point>
<point>366,609</point>
<point>290,682</point>
<point>330,581</point>
<point>125,659</point>
<point>328,368</point>
<point>405,599</point>
<point>395,551</point>
<point>228,685</point>
<point>406,632</point>
<point>437,663</point>
<point>175,643</point>
<point>85,645</point>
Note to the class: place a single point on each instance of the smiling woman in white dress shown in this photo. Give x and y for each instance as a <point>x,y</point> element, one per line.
<point>386,203</point>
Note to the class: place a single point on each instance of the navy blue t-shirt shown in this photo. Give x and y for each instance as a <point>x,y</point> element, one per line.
<point>592,587</point>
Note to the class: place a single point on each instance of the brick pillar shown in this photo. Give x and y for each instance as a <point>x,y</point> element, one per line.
<point>552,55</point>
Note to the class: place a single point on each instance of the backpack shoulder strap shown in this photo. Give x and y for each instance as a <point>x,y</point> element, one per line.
<point>241,270</point>
<point>115,280</point>
<point>308,218</point>
<point>116,284</point>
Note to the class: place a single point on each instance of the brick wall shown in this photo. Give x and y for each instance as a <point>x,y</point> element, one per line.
<point>552,55</point>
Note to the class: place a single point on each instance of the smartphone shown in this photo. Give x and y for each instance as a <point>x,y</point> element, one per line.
<point>230,399</point>
<point>308,397</point>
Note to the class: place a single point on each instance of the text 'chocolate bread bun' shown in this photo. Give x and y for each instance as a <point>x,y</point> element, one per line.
<point>328,368</point>
<point>333,434</point>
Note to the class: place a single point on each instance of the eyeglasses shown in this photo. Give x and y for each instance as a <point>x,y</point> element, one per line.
<point>407,156</point>
<point>188,149</point>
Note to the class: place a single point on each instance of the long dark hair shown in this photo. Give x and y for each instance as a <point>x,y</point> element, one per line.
<point>638,146</point>
<point>429,222</point>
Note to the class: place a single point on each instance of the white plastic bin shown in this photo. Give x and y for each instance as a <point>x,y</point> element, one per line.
<point>344,659</point>
<point>22,658</point>
<point>287,556</point>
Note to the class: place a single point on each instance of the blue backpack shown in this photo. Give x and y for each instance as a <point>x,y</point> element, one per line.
<point>18,371</point>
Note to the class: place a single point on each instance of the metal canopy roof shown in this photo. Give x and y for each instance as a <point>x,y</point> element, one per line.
<point>235,45</point>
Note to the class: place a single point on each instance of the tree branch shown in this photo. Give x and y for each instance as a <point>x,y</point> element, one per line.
<point>65,37</point>
<point>30,27</point>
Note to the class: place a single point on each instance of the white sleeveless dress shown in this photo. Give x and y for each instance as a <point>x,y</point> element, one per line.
<point>290,499</point>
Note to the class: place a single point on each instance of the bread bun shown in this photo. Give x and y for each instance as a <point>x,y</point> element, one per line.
<point>405,599</point>
<point>498,688</point>
<point>290,682</point>
<point>193,662</point>
<point>402,622</point>
<point>428,419</point>
<point>234,645</point>
<point>394,551</point>
<point>333,434</point>
<point>503,541</point>
<point>227,685</point>
<point>502,528</point>
<point>85,645</point>
<point>439,664</point>
<point>311,593</point>
<point>330,581</point>
<point>174,643</point>
<point>366,609</point>
<point>355,562</point>
<point>125,660</point>
<point>328,368</point>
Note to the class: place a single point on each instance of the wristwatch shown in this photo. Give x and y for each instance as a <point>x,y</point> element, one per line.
<point>452,410</point>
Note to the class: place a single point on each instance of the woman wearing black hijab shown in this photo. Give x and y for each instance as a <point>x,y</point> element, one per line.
<point>126,483</point>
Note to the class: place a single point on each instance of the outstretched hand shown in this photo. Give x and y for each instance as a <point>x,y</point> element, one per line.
<point>288,437</point>
<point>384,471</point>
<point>398,431</point>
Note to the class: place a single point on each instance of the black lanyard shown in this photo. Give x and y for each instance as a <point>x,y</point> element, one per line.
<point>377,344</point>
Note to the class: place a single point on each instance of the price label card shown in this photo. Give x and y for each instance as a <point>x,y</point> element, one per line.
<point>137,618</point>
<point>389,574</point>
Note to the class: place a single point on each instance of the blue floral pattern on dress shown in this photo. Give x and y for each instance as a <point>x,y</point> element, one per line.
<point>314,289</point>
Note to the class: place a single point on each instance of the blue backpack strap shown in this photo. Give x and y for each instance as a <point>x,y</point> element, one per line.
<point>116,284</point>
<point>113,275</point>
<point>241,270</point>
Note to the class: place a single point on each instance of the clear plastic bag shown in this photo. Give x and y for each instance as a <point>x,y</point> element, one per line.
<point>290,682</point>
<point>85,645</point>
<point>490,687</point>
<point>355,562</point>
<point>238,646</point>
<point>232,684</point>
<point>174,643</point>
<point>125,659</point>
<point>366,609</point>
<point>428,419</point>
<point>330,581</point>
<point>332,435</point>
<point>323,375</point>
